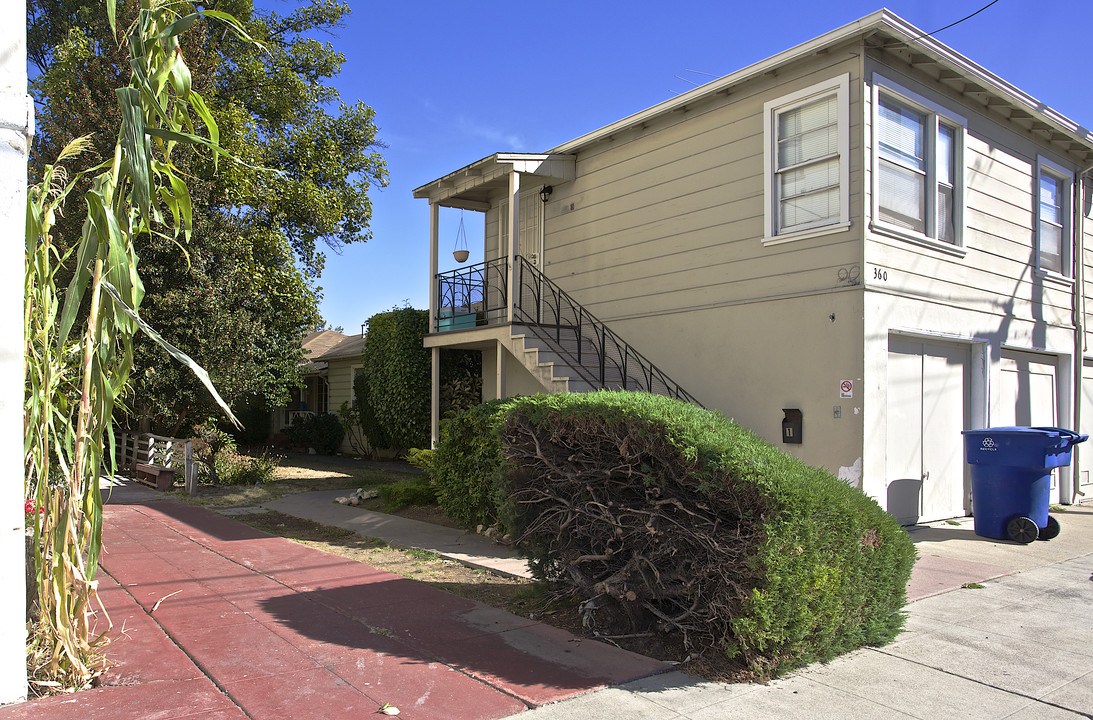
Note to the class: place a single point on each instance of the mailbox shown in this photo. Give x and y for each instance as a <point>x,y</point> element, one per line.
<point>792,426</point>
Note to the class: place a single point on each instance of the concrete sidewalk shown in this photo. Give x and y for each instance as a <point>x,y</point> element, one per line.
<point>466,547</point>
<point>214,619</point>
<point>1019,647</point>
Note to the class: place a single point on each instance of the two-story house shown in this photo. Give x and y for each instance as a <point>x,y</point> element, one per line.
<point>857,248</point>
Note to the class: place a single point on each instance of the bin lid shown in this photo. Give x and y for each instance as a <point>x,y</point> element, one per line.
<point>1021,430</point>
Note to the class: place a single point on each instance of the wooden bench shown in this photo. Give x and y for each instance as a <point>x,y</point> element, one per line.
<point>157,476</point>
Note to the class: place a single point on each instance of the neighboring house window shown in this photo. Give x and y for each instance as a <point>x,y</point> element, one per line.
<point>806,156</point>
<point>918,187</point>
<point>1053,218</point>
<point>323,389</point>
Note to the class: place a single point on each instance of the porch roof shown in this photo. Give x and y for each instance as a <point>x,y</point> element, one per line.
<point>470,187</point>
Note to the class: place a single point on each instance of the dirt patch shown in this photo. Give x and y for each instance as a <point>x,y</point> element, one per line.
<point>296,475</point>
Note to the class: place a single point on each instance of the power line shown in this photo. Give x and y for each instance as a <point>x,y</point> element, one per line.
<point>969,17</point>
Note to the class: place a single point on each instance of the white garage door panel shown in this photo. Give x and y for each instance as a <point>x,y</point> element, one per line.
<point>1085,484</point>
<point>1029,392</point>
<point>1029,395</point>
<point>927,408</point>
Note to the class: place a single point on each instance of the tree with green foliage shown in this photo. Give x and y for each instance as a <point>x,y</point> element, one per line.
<point>241,290</point>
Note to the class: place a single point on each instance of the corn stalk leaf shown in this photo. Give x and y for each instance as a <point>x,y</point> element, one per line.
<point>134,141</point>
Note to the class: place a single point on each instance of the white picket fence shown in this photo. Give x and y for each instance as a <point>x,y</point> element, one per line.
<point>146,448</point>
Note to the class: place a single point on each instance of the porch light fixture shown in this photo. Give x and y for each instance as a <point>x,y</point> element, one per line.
<point>544,194</point>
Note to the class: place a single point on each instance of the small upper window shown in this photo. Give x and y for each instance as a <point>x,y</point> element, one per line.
<point>918,188</point>
<point>806,159</point>
<point>1053,214</point>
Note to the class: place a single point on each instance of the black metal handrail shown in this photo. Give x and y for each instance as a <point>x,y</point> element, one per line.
<point>472,296</point>
<point>594,351</point>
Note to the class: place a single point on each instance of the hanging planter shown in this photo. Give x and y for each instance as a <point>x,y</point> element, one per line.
<point>461,253</point>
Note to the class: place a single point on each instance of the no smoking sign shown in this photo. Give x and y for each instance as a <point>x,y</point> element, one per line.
<point>846,389</point>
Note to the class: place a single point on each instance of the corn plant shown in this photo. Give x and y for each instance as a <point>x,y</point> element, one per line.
<point>79,351</point>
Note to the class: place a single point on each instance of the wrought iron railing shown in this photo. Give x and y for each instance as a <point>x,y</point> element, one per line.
<point>478,295</point>
<point>472,296</point>
<point>599,356</point>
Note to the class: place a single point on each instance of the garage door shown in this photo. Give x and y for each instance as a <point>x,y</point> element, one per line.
<point>1086,456</point>
<point>1029,395</point>
<point>928,385</point>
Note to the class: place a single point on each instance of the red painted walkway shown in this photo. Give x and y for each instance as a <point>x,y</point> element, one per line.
<point>253,626</point>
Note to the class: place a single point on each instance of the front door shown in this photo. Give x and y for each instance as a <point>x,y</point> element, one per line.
<point>530,243</point>
<point>928,385</point>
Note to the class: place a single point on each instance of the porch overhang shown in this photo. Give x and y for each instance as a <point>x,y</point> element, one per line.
<point>471,187</point>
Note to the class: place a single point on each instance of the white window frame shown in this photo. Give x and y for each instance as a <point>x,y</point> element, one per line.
<point>935,115</point>
<point>840,87</point>
<point>1066,191</point>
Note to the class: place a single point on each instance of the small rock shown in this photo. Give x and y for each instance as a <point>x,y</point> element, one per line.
<point>342,500</point>
<point>480,529</point>
<point>490,532</point>
<point>354,501</point>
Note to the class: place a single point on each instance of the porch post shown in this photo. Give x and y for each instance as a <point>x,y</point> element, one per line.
<point>434,398</point>
<point>434,242</point>
<point>514,234</point>
<point>499,377</point>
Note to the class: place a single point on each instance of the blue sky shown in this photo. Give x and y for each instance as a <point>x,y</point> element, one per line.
<point>454,82</point>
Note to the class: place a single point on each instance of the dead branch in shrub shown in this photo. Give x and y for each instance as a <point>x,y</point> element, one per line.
<point>649,540</point>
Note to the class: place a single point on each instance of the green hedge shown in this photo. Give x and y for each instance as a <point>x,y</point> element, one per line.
<point>826,569</point>
<point>321,431</point>
<point>467,466</point>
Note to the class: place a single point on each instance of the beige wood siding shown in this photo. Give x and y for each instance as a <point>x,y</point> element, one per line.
<point>993,271</point>
<point>668,218</point>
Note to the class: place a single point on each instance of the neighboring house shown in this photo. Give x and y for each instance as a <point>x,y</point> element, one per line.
<point>332,362</point>
<point>868,242</point>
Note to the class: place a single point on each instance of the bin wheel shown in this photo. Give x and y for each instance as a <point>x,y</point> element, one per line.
<point>1022,529</point>
<point>1050,530</point>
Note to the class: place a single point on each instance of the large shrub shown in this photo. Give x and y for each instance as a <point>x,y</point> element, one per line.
<point>662,516</point>
<point>393,388</point>
<point>374,433</point>
<point>397,376</point>
<point>468,467</point>
<point>322,431</point>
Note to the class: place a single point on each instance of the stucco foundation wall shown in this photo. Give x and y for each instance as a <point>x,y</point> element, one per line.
<point>517,379</point>
<point>751,361</point>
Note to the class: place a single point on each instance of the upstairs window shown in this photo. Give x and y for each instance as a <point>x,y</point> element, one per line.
<point>1053,219</point>
<point>806,160</point>
<point>918,168</point>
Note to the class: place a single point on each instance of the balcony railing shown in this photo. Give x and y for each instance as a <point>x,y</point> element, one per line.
<point>478,295</point>
<point>472,296</point>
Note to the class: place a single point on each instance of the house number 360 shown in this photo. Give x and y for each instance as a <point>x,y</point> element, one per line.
<point>880,274</point>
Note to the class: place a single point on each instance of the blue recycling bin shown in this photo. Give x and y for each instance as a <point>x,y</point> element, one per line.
<point>1011,479</point>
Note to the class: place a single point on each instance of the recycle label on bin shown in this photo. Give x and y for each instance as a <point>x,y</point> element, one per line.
<point>989,445</point>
